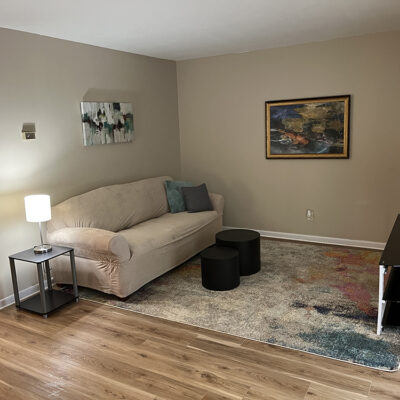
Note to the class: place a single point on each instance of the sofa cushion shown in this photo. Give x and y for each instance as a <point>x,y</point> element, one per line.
<point>113,207</point>
<point>174,195</point>
<point>166,229</point>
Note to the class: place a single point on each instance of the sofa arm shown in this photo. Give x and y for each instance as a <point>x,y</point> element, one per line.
<point>92,243</point>
<point>217,201</point>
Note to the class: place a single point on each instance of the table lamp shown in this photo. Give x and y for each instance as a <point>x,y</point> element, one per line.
<point>38,209</point>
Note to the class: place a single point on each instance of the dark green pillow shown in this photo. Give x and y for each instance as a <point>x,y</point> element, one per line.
<point>174,195</point>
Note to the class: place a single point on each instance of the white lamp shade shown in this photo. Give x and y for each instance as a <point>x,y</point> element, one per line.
<point>38,208</point>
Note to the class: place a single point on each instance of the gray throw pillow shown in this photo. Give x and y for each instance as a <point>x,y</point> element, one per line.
<point>174,195</point>
<point>196,198</point>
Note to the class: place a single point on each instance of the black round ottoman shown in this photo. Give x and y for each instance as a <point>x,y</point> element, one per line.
<point>248,244</point>
<point>220,268</point>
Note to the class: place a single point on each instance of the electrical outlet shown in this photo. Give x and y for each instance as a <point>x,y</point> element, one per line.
<point>310,215</point>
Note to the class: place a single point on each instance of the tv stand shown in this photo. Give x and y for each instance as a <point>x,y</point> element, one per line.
<point>389,296</point>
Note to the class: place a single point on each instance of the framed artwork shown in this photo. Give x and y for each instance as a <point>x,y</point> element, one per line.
<point>105,123</point>
<point>308,128</point>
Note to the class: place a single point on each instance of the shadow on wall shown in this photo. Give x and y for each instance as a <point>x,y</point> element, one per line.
<point>223,185</point>
<point>112,95</point>
<point>78,168</point>
<point>16,234</point>
<point>73,168</point>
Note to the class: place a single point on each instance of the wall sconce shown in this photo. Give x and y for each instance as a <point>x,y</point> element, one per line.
<point>28,131</point>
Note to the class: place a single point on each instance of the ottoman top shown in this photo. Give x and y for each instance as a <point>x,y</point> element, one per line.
<point>237,235</point>
<point>219,253</point>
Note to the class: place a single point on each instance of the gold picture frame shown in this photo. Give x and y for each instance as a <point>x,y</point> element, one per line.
<point>316,127</point>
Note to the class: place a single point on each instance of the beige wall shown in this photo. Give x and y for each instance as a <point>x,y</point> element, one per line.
<point>43,80</point>
<point>221,115</point>
<point>222,125</point>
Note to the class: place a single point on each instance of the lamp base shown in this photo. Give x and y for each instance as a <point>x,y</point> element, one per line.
<point>42,248</point>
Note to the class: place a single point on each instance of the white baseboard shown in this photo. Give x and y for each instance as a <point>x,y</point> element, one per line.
<point>319,239</point>
<point>22,294</point>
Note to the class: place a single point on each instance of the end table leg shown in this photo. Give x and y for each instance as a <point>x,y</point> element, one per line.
<point>73,271</point>
<point>14,282</point>
<point>48,275</point>
<point>382,303</point>
<point>41,288</point>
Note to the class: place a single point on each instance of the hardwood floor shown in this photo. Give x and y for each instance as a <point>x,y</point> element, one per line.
<point>92,351</point>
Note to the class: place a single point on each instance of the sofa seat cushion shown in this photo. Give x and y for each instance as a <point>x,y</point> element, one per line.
<point>168,228</point>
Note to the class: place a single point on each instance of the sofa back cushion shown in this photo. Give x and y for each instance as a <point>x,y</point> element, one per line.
<point>114,207</point>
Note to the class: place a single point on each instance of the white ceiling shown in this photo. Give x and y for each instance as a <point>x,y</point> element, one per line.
<point>182,29</point>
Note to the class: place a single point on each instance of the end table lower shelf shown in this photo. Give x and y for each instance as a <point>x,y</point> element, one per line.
<point>54,299</point>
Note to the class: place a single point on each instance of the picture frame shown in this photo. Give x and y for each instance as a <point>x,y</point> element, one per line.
<point>106,122</point>
<point>317,127</point>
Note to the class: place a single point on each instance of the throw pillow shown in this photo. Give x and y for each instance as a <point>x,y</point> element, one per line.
<point>197,198</point>
<point>174,195</point>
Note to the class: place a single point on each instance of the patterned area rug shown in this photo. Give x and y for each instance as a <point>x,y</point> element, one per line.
<point>314,298</point>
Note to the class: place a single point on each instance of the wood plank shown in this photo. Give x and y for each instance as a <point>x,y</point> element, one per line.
<point>383,390</point>
<point>255,376</point>
<point>321,392</point>
<point>8,391</point>
<point>295,368</point>
<point>337,366</point>
<point>90,350</point>
<point>214,396</point>
<point>49,378</point>
<point>130,357</point>
<point>206,339</point>
<point>265,393</point>
<point>80,366</point>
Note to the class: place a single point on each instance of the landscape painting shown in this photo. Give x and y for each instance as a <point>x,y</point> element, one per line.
<point>308,128</point>
<point>105,123</point>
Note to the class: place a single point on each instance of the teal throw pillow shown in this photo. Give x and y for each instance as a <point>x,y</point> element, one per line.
<point>174,195</point>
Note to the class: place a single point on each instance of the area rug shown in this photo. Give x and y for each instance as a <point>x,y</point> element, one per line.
<point>315,298</point>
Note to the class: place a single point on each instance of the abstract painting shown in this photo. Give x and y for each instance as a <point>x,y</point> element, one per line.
<point>105,123</point>
<point>308,128</point>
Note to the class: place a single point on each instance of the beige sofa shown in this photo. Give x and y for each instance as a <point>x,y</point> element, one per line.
<point>124,235</point>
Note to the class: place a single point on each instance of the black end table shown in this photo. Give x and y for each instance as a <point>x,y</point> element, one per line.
<point>48,300</point>
<point>248,244</point>
<point>220,268</point>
